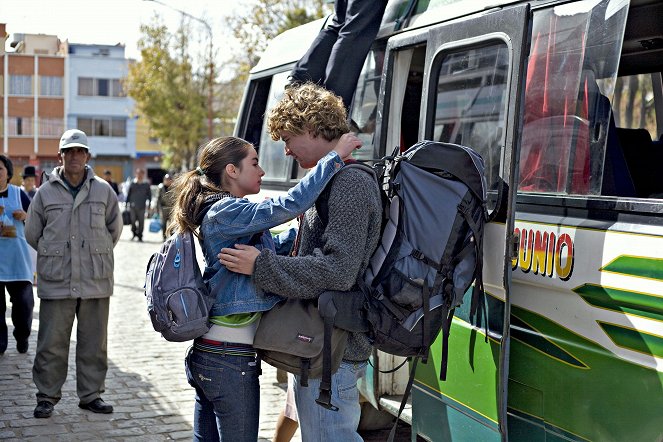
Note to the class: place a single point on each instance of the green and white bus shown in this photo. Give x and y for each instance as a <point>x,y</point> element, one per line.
<point>564,100</point>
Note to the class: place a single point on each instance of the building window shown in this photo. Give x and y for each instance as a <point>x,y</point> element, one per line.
<point>85,124</point>
<point>51,127</point>
<point>117,89</point>
<point>103,127</point>
<point>50,86</point>
<point>20,85</point>
<point>20,126</point>
<point>86,86</point>
<point>100,87</point>
<point>118,127</point>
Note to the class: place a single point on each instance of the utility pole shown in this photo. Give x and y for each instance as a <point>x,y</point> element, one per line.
<point>210,82</point>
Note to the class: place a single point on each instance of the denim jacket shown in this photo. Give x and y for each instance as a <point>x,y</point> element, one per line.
<point>233,221</point>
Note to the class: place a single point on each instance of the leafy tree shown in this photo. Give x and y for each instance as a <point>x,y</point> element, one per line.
<point>168,94</point>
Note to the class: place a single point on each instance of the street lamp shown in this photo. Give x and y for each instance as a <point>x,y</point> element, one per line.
<point>210,86</point>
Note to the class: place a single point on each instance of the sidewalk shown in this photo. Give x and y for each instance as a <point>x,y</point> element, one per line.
<point>145,382</point>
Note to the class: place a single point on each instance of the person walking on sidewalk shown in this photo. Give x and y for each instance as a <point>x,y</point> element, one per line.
<point>139,197</point>
<point>222,365</point>
<point>73,222</point>
<point>15,262</point>
<point>329,256</point>
<point>165,203</point>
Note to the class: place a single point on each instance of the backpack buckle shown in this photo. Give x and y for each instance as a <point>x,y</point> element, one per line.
<point>416,254</point>
<point>324,400</point>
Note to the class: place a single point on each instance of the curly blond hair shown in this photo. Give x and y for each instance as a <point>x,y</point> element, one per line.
<point>308,107</point>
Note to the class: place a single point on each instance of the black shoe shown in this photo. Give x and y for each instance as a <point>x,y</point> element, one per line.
<point>140,239</point>
<point>97,406</point>
<point>22,346</point>
<point>43,409</point>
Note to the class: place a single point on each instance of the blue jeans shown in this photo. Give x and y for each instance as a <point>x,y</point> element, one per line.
<point>318,423</point>
<point>227,396</point>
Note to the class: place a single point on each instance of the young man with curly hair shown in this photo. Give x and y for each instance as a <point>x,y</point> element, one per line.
<point>310,120</point>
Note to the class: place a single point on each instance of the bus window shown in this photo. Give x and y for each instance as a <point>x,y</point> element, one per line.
<point>272,157</point>
<point>571,75</point>
<point>635,133</point>
<point>633,104</point>
<point>365,103</point>
<point>471,102</point>
<point>402,125</point>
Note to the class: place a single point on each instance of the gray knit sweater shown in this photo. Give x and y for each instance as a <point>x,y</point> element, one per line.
<point>330,258</point>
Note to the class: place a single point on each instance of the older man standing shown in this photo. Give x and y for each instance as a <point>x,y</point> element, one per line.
<point>73,222</point>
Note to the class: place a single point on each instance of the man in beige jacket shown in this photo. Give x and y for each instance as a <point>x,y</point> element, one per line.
<point>73,222</point>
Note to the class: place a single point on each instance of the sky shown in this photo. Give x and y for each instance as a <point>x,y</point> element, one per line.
<point>118,21</point>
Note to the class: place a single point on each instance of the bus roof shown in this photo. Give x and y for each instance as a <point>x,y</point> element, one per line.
<point>290,46</point>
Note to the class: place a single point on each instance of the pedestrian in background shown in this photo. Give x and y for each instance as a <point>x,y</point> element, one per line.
<point>15,263</point>
<point>139,197</point>
<point>29,181</point>
<point>165,203</point>
<point>74,222</point>
<point>30,188</point>
<point>108,176</point>
<point>335,58</point>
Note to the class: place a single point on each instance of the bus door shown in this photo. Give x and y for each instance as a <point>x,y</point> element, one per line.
<point>471,95</point>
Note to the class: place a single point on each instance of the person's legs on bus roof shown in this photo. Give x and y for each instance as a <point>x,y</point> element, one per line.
<point>313,64</point>
<point>360,27</point>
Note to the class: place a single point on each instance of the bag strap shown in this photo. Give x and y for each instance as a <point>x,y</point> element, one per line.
<point>322,203</point>
<point>324,399</point>
<point>446,328</point>
<point>392,433</point>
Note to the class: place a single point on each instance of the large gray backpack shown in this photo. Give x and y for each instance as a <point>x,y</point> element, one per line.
<point>178,301</point>
<point>430,252</point>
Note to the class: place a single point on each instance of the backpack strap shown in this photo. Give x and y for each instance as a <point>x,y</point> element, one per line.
<point>324,399</point>
<point>406,394</point>
<point>322,203</point>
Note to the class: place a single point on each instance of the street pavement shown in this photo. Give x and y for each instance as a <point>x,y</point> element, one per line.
<point>145,382</point>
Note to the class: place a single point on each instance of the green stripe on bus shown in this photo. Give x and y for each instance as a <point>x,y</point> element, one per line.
<point>640,304</point>
<point>634,340</point>
<point>523,332</point>
<point>639,266</point>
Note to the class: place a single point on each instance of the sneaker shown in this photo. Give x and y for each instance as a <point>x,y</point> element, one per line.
<point>43,409</point>
<point>22,346</point>
<point>97,406</point>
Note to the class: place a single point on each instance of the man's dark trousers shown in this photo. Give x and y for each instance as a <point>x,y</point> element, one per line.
<point>337,55</point>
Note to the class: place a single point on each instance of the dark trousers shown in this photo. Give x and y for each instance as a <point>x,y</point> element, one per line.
<point>23,302</point>
<point>56,321</point>
<point>137,221</point>
<point>337,55</point>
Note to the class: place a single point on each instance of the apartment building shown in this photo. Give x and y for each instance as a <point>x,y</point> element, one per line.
<point>97,104</point>
<point>32,89</point>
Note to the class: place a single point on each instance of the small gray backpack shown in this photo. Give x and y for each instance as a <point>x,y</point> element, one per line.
<point>178,301</point>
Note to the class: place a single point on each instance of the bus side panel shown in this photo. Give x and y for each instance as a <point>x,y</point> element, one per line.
<point>466,404</point>
<point>587,332</point>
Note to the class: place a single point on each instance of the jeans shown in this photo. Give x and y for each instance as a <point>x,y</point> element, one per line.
<point>319,424</point>
<point>227,396</point>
